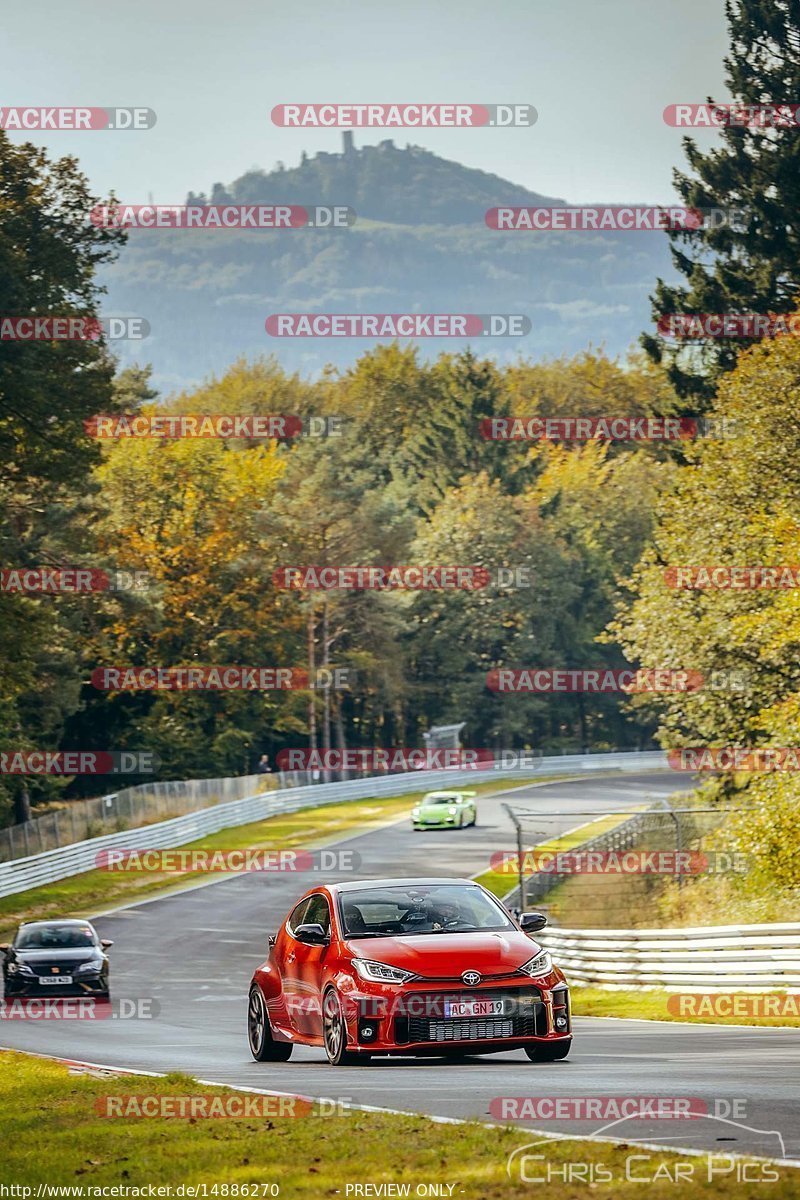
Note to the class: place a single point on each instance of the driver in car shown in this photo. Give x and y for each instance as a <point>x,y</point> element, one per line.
<point>444,915</point>
<point>428,919</point>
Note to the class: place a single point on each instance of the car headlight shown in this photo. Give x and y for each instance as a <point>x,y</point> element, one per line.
<point>540,964</point>
<point>89,968</point>
<point>378,972</point>
<point>20,969</point>
<point>452,810</point>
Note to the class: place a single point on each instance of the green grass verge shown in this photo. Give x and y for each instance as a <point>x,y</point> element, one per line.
<point>52,1134</point>
<point>500,883</point>
<point>92,891</point>
<point>653,1005</point>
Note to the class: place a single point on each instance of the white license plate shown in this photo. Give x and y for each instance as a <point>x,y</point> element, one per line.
<point>56,979</point>
<point>473,1008</point>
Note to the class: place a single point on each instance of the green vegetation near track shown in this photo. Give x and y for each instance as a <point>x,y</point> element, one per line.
<point>52,1133</point>
<point>656,1004</point>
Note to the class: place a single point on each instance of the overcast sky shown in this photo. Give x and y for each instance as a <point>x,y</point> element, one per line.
<point>599,72</point>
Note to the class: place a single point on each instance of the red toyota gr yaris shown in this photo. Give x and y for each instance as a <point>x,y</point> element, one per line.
<point>407,966</point>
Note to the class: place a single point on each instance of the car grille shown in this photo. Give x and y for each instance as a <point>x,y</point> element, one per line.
<point>46,968</point>
<point>467,1031</point>
<point>528,1017</point>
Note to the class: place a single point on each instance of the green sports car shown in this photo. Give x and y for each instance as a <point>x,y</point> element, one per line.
<point>445,810</point>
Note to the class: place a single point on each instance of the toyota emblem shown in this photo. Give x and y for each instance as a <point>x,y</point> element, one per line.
<point>470,978</point>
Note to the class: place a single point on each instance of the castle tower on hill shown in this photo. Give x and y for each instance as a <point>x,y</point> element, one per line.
<point>348,145</point>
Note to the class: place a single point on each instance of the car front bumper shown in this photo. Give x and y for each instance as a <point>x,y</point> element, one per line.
<point>414,1019</point>
<point>24,986</point>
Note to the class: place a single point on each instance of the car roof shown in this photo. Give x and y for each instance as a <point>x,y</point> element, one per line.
<point>361,884</point>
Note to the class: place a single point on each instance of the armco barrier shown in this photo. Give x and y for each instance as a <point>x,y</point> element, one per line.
<point>130,808</point>
<point>38,869</point>
<point>712,958</point>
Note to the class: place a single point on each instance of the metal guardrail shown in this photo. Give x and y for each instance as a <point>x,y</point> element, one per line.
<point>711,958</point>
<point>128,808</point>
<point>38,869</point>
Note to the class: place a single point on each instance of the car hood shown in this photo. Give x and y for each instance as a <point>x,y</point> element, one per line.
<point>76,955</point>
<point>446,955</point>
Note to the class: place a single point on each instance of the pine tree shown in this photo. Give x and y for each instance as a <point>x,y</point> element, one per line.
<point>753,264</point>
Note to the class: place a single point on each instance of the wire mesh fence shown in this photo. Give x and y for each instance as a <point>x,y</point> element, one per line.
<point>132,808</point>
<point>616,877</point>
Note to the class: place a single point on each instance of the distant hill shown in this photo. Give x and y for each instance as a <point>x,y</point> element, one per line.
<point>420,244</point>
<point>382,183</point>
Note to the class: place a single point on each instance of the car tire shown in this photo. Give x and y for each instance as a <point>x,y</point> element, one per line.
<point>334,1032</point>
<point>263,1046</point>
<point>549,1051</point>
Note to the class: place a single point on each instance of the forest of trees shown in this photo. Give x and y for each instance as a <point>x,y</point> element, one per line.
<point>407,479</point>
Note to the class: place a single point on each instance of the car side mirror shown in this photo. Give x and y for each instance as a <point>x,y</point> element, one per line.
<point>105,943</point>
<point>311,935</point>
<point>5,947</point>
<point>531,921</point>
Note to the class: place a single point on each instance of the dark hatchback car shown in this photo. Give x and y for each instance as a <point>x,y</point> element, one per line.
<point>56,957</point>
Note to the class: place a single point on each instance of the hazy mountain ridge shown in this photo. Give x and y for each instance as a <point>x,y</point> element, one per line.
<point>208,293</point>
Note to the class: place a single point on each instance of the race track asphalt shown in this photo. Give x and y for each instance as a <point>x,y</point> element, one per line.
<point>194,952</point>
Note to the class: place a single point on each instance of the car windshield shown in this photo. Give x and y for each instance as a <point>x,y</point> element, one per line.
<point>440,800</point>
<point>413,909</point>
<point>55,937</point>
